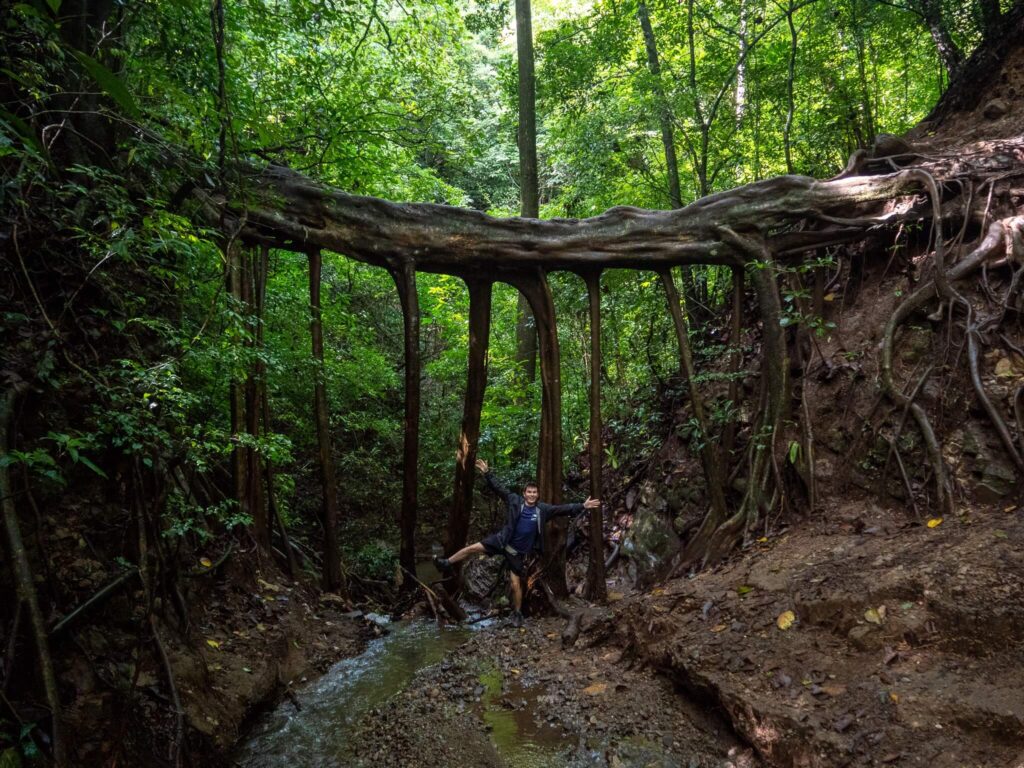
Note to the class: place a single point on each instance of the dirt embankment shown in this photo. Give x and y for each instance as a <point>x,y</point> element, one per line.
<point>904,649</point>
<point>249,634</point>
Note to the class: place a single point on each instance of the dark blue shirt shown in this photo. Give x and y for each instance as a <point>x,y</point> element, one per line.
<point>525,533</point>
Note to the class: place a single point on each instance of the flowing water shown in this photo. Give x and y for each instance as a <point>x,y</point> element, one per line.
<point>319,734</point>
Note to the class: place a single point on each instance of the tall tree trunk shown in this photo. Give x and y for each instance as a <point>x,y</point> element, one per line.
<point>787,129</point>
<point>273,511</point>
<point>24,582</point>
<point>329,517</point>
<point>405,279</point>
<point>596,588</point>
<point>529,190</point>
<point>665,120</point>
<point>713,474</point>
<point>949,54</point>
<point>476,383</point>
<point>741,66</point>
<point>991,18</point>
<point>664,112</point>
<point>867,113</point>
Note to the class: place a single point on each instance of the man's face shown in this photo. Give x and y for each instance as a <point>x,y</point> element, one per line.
<point>530,494</point>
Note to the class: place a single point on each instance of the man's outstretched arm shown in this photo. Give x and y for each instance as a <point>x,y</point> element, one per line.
<point>492,482</point>
<point>572,510</point>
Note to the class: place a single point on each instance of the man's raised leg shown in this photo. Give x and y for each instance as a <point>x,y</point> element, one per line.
<point>445,564</point>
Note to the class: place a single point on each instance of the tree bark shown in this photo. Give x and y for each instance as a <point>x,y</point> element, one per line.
<point>549,455</point>
<point>476,382</point>
<point>949,54</point>
<point>529,188</point>
<point>25,585</point>
<point>787,128</point>
<point>405,280</point>
<point>333,579</point>
<point>596,588</point>
<point>664,112</point>
<point>290,211</point>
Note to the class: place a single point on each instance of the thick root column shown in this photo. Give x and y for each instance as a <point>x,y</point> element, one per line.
<point>476,383</point>
<point>405,280</point>
<point>332,555</point>
<point>716,537</point>
<point>537,291</point>
<point>595,571</point>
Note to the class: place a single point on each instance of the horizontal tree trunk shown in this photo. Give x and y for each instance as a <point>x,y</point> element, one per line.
<point>290,211</point>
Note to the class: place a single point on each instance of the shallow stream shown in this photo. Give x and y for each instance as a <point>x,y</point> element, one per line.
<point>319,734</point>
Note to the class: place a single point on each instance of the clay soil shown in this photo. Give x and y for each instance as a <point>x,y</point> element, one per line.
<point>905,647</point>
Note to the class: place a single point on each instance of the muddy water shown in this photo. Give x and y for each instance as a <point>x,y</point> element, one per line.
<point>319,733</point>
<point>518,732</point>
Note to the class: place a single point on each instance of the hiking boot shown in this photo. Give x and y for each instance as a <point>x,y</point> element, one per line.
<point>442,564</point>
<point>517,619</point>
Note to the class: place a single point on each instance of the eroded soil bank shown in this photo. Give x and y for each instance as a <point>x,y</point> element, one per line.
<point>905,650</point>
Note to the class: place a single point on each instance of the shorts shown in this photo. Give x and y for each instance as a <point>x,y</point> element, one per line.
<point>515,560</point>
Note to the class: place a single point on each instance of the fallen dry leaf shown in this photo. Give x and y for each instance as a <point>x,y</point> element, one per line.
<point>872,616</point>
<point>213,644</point>
<point>206,562</point>
<point>596,688</point>
<point>613,596</point>
<point>785,620</point>
<point>718,628</point>
<point>935,522</point>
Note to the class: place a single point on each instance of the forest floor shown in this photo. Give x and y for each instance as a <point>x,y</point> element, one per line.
<point>904,649</point>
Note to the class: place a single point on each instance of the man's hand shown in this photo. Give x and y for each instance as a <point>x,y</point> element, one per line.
<point>482,466</point>
<point>591,503</point>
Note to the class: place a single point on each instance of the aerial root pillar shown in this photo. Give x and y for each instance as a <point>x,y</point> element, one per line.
<point>405,280</point>
<point>469,436</point>
<point>535,287</point>
<point>595,571</point>
<point>329,517</point>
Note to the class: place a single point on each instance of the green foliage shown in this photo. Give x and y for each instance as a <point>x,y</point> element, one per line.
<point>119,319</point>
<point>375,560</point>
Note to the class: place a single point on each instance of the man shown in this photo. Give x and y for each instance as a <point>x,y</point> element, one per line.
<point>523,532</point>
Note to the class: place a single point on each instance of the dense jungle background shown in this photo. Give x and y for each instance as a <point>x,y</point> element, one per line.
<point>225,443</point>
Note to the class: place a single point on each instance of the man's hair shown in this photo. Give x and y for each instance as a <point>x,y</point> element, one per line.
<point>530,484</point>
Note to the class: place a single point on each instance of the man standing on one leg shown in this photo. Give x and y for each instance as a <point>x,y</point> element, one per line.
<point>522,534</point>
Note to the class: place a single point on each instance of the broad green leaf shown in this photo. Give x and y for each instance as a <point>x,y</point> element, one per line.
<point>110,83</point>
